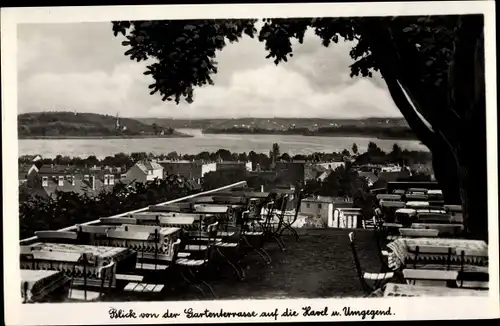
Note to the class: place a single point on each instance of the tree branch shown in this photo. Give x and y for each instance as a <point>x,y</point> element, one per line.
<point>426,135</point>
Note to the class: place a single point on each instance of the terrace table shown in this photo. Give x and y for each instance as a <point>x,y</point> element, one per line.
<point>406,290</point>
<point>68,257</point>
<point>36,285</point>
<point>404,251</point>
<point>144,238</point>
<point>179,220</point>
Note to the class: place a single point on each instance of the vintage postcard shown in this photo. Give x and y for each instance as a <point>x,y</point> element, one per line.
<point>249,163</point>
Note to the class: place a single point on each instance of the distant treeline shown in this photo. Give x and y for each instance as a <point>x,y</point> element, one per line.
<point>393,132</point>
<point>373,154</point>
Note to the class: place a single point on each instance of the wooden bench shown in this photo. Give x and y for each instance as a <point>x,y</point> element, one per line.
<point>118,220</point>
<point>429,233</point>
<point>143,287</point>
<point>53,235</point>
<point>161,257</point>
<point>150,267</point>
<point>429,277</point>
<point>129,277</point>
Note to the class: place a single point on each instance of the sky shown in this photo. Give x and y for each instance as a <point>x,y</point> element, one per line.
<point>82,67</point>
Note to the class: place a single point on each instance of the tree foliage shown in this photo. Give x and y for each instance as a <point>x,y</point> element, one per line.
<point>69,208</point>
<point>433,67</point>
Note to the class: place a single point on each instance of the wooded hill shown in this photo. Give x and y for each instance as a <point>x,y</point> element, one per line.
<point>71,124</point>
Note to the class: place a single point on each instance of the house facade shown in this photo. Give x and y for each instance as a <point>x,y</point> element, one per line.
<point>322,206</point>
<point>144,171</point>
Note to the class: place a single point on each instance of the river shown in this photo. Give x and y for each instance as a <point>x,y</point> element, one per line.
<point>291,144</point>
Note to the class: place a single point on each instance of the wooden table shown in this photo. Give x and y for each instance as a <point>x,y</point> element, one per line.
<point>37,285</point>
<point>406,290</point>
<point>68,258</point>
<point>143,238</point>
<point>404,250</point>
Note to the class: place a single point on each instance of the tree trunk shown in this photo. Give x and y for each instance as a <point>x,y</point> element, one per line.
<point>467,97</point>
<point>446,174</point>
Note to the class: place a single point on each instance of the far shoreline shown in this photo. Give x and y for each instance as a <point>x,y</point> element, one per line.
<point>106,137</point>
<point>326,135</point>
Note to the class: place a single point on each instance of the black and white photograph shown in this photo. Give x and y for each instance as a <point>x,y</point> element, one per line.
<point>206,160</point>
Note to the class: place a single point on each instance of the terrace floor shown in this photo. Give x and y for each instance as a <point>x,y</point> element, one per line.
<point>320,265</point>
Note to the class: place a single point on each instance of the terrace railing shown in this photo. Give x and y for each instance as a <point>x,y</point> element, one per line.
<point>140,210</point>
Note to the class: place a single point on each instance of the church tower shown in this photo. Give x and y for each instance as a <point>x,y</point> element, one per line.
<point>117,127</point>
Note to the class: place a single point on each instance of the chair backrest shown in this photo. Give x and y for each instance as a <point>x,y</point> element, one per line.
<point>437,250</point>
<point>359,271</point>
<point>175,249</point>
<point>106,273</point>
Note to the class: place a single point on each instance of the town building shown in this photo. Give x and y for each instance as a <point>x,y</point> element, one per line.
<point>26,172</point>
<point>323,206</point>
<point>144,171</point>
<point>49,179</point>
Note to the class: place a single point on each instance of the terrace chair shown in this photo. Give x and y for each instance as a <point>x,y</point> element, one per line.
<point>287,225</point>
<point>381,233</point>
<point>269,226</point>
<point>370,282</point>
<point>194,270</point>
<point>106,275</point>
<point>447,252</point>
<point>224,247</point>
<point>57,236</point>
<point>251,238</point>
<point>168,276</point>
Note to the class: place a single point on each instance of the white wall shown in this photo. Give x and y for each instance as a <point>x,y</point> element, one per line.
<point>208,167</point>
<point>157,174</point>
<point>135,173</point>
